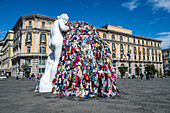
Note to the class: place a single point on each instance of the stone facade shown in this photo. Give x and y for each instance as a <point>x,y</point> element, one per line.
<point>31,33</point>
<point>141,50</point>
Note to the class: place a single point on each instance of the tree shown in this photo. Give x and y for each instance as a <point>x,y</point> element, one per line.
<point>137,70</point>
<point>24,68</point>
<point>122,71</point>
<point>150,69</point>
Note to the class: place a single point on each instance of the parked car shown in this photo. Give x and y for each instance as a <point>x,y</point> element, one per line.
<point>3,77</point>
<point>132,76</point>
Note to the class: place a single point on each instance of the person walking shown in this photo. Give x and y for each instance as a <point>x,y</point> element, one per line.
<point>37,86</point>
<point>141,76</point>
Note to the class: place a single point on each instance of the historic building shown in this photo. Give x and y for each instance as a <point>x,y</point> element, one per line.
<point>129,51</point>
<point>7,53</point>
<point>31,33</point>
<point>166,60</point>
<point>1,45</point>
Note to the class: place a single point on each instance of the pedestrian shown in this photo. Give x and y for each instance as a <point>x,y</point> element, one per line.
<point>147,76</point>
<point>141,76</point>
<point>121,76</point>
<point>37,86</point>
<point>32,76</point>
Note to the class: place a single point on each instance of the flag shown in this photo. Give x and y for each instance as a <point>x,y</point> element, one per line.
<point>124,55</point>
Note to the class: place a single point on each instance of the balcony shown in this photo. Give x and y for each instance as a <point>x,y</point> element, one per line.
<point>28,41</point>
<point>29,27</point>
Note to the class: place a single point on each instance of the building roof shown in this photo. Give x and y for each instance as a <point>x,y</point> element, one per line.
<point>166,49</point>
<point>32,16</point>
<point>104,28</point>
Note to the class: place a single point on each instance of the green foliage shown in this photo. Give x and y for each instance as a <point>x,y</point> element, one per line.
<point>137,70</point>
<point>122,70</point>
<point>150,69</point>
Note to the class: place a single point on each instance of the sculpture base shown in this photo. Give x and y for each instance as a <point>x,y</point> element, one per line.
<point>45,89</point>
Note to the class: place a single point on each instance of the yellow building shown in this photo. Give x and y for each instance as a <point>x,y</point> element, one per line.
<point>166,60</point>
<point>131,51</point>
<point>7,52</point>
<point>31,33</point>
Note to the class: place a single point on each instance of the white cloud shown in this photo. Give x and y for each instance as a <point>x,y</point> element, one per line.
<point>165,37</point>
<point>164,33</point>
<point>160,4</point>
<point>2,34</point>
<point>131,5</point>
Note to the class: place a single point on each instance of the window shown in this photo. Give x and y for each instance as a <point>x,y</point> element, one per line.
<point>122,65</point>
<point>114,63</point>
<point>147,49</point>
<point>113,55</point>
<point>139,57</point>
<point>128,47</point>
<point>42,49</point>
<point>134,40</point>
<point>138,41</point>
<point>156,58</point>
<point>43,37</point>
<point>43,24</point>
<point>129,64</point>
<point>104,35</point>
<point>143,50</point>
<point>30,23</point>
<point>113,37</point>
<point>155,43</point>
<point>152,50</point>
<point>146,42</point>
<point>41,61</point>
<point>151,43</point>
<point>155,51</point>
<point>113,45</point>
<point>152,58</point>
<point>121,55</point>
<point>139,49</point>
<point>28,49</point>
<point>143,42</point>
<point>121,46</point>
<point>143,57</point>
<point>28,61</point>
<point>135,57</point>
<point>128,39</point>
<point>130,70</point>
<point>41,70</point>
<point>134,48</point>
<point>121,38</point>
<point>29,36</point>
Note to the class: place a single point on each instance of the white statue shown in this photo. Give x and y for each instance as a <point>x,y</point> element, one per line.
<point>55,44</point>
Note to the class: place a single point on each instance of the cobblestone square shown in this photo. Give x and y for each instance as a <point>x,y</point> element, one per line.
<point>152,96</point>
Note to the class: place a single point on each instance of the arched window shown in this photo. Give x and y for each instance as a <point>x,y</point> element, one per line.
<point>113,37</point>
<point>122,65</point>
<point>113,45</point>
<point>113,55</point>
<point>104,35</point>
<point>144,50</point>
<point>121,46</point>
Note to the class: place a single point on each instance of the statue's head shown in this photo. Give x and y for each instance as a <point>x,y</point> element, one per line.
<point>64,17</point>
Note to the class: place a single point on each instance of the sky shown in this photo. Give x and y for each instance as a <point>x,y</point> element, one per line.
<point>149,18</point>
